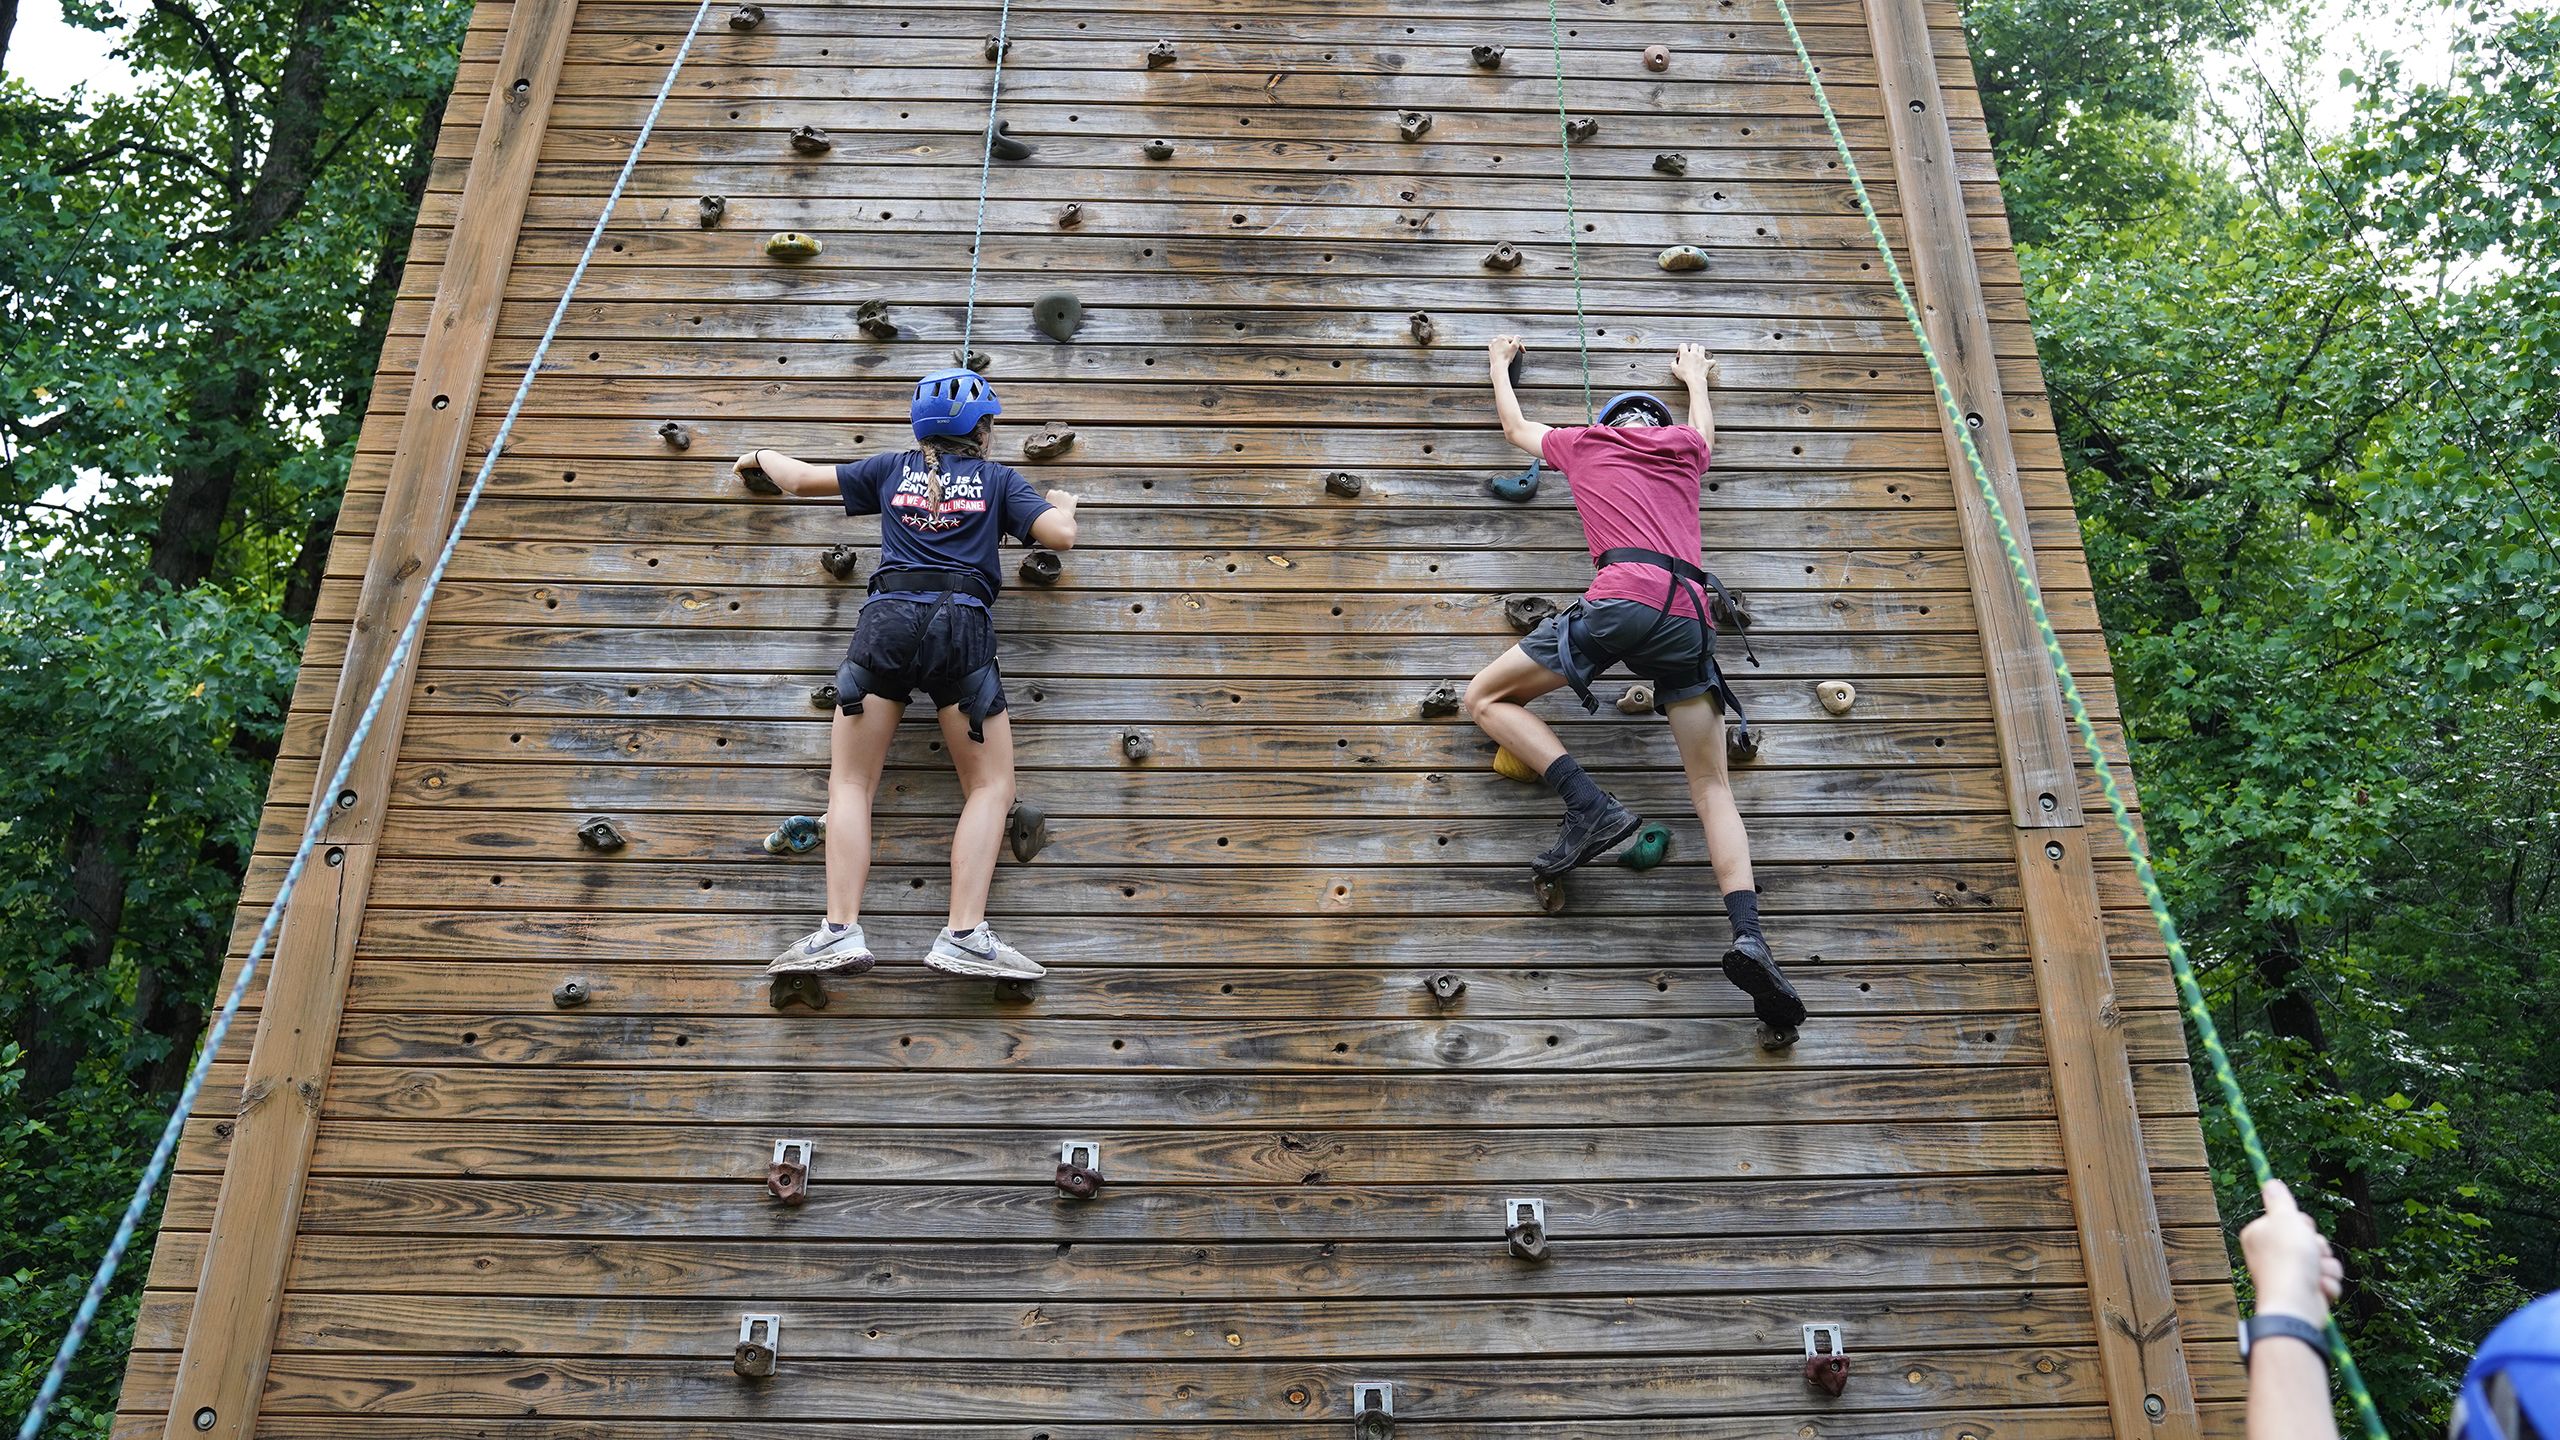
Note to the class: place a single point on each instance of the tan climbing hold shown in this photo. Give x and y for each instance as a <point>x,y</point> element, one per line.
<point>872,318</point>
<point>1505,256</point>
<point>1070,216</point>
<point>1413,124</point>
<point>996,49</point>
<point>1342,483</point>
<point>1637,701</point>
<point>746,17</point>
<point>713,207</point>
<point>676,435</point>
<point>1512,767</point>
<point>1162,54</point>
<point>1682,257</point>
<point>1159,149</point>
<point>1837,696</point>
<point>1657,57</point>
<point>1424,332</point>
<point>1527,612</point>
<point>1054,440</point>
<point>792,245</point>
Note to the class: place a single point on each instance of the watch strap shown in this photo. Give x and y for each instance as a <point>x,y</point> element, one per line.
<point>2262,1327</point>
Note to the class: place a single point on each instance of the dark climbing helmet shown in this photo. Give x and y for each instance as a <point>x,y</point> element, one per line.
<point>951,402</point>
<point>1658,413</point>
<point>2513,1389</point>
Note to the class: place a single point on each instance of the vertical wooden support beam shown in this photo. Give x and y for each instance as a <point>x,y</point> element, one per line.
<point>2140,1354</point>
<point>240,1286</point>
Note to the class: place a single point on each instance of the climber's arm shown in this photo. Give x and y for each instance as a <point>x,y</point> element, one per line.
<point>1523,432</point>
<point>796,477</point>
<point>1056,527</point>
<point>1697,369</point>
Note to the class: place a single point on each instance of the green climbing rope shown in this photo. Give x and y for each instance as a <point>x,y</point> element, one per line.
<point>2190,994</point>
<point>1572,225</point>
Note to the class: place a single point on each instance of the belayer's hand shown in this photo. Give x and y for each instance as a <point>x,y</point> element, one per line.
<point>2290,1261</point>
<point>1692,365</point>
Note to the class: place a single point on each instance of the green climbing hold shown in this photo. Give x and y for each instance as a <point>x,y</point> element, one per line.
<point>1682,257</point>
<point>1057,314</point>
<point>1651,844</point>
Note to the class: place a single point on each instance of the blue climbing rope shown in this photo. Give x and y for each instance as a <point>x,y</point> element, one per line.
<point>986,170</point>
<point>158,1166</point>
<point>1572,225</point>
<point>2190,993</point>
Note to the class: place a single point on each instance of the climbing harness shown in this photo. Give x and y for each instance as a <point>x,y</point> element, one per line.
<point>986,168</point>
<point>981,685</point>
<point>1572,224</point>
<point>158,1165</point>
<point>1584,660</point>
<point>2190,993</point>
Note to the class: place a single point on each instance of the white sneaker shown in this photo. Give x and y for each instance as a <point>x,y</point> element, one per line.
<point>823,951</point>
<point>981,954</point>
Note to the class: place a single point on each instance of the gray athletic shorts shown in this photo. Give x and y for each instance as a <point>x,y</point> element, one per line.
<point>1671,651</point>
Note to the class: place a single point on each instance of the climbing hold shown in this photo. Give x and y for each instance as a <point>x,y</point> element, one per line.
<point>1505,256</point>
<point>1161,54</point>
<point>759,1346</point>
<point>1342,483</point>
<point>1826,1357</point>
<point>1373,1410</point>
<point>570,994</point>
<point>1412,124</point>
<point>1741,742</point>
<point>840,561</point>
<point>758,482</point>
<point>1440,700</point>
<point>1485,57</point>
<point>810,140</point>
<point>1070,215</point>
<point>1682,257</point>
<point>871,317</point>
<point>1445,986</point>
<point>1004,147</point>
<point>1080,1169</point>
<point>799,835</point>
<point>1637,701</point>
<point>1731,612</point>
<point>1671,162</point>
<point>1836,695</point>
<point>1527,1230</point>
<point>787,1178</point>
<point>1512,767</point>
<point>822,697</point>
<point>796,987</point>
<point>792,245</point>
<point>1026,829</point>
<point>996,49</point>
<point>1137,744</point>
<point>1550,893</point>
<point>713,207</point>
<point>1424,332</point>
<point>746,17</point>
<point>1054,440</point>
<point>1657,57</point>
<point>599,835</point>
<point>977,360</point>
<point>1651,844</point>
<point>1519,489</point>
<point>1058,313</point>
<point>675,434</point>
<point>1581,127</point>
<point>1525,612</point>
<point>1776,1040</point>
<point>1042,567</point>
<point>1159,149</point>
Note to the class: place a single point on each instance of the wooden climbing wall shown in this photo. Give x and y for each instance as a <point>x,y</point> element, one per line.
<point>516,1220</point>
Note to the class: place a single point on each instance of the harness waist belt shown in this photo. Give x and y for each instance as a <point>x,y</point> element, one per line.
<point>1636,555</point>
<point>919,581</point>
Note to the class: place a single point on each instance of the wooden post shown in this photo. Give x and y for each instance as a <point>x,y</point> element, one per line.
<point>240,1286</point>
<point>2141,1358</point>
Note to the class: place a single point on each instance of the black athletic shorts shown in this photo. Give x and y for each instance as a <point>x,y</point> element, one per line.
<point>925,644</point>
<point>1672,651</point>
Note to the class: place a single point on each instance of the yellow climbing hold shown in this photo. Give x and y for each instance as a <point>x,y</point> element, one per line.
<point>792,245</point>
<point>1682,257</point>
<point>1512,767</point>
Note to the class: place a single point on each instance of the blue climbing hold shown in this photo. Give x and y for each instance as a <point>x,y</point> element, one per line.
<point>1519,489</point>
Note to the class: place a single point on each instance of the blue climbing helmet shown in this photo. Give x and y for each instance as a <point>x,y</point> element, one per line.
<point>951,402</point>
<point>1635,400</point>
<point>2513,1389</point>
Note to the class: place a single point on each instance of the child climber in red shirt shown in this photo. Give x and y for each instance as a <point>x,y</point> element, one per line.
<point>1634,478</point>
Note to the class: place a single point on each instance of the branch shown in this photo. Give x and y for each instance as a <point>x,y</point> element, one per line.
<point>96,158</point>
<point>219,62</point>
<point>354,128</point>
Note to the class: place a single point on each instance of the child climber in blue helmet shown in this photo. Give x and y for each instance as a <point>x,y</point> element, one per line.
<point>1635,478</point>
<point>928,624</point>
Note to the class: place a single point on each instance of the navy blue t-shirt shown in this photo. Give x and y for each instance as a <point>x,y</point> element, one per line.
<point>982,500</point>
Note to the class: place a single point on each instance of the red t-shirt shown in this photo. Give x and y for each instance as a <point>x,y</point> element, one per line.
<point>1636,486</point>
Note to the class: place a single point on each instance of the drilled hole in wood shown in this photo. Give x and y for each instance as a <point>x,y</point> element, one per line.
<point>470,1037</point>
<point>683,1040</point>
<point>1119,1044</point>
<point>1551,1040</point>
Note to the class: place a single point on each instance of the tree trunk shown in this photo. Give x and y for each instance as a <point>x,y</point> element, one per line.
<point>8,23</point>
<point>55,1042</point>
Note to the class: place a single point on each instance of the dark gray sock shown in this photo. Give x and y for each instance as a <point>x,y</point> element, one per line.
<point>1581,793</point>
<point>1742,907</point>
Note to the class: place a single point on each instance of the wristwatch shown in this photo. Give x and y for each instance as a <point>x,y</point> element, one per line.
<point>2261,1327</point>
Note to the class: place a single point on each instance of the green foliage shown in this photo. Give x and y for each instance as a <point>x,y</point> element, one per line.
<point>2307,412</point>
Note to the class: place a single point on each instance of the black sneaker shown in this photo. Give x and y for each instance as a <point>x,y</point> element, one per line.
<point>1585,837</point>
<point>1748,964</point>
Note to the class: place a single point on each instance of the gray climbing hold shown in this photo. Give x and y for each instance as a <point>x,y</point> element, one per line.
<point>1526,611</point>
<point>713,207</point>
<point>822,697</point>
<point>1004,147</point>
<point>1485,57</point>
<point>1042,567</point>
<point>810,140</point>
<point>1424,332</point>
<point>1161,54</point>
<point>676,435</point>
<point>996,49</point>
<point>1440,700</point>
<point>1159,149</point>
<point>756,481</point>
<point>972,360</point>
<point>1026,830</point>
<point>1581,127</point>
<point>746,17</point>
<point>1413,124</point>
<point>1342,483</point>
<point>600,835</point>
<point>1682,257</point>
<point>1070,216</point>
<point>840,561</point>
<point>1137,744</point>
<point>872,318</point>
<point>1057,314</point>
<point>1505,256</point>
<point>570,994</point>
<point>1054,440</point>
<point>1671,162</point>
